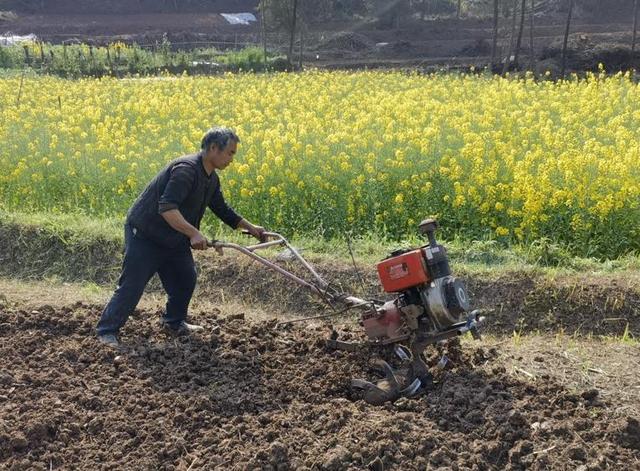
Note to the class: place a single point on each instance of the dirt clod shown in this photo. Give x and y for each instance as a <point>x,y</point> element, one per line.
<point>590,394</point>
<point>336,458</point>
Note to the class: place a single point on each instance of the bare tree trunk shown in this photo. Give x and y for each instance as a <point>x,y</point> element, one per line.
<point>494,44</point>
<point>521,31</point>
<point>263,7</point>
<point>512,37</point>
<point>532,53</point>
<point>635,31</point>
<point>301,45</point>
<point>566,38</point>
<point>293,31</point>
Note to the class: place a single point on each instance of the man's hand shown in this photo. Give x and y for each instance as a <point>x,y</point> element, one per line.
<point>198,241</point>
<point>175,219</point>
<point>258,233</point>
<point>255,231</point>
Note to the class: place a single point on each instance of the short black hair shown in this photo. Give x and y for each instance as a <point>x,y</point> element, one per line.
<point>220,136</point>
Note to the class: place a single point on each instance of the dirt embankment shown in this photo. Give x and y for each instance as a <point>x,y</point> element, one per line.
<point>252,395</point>
<point>521,302</point>
<point>579,304</point>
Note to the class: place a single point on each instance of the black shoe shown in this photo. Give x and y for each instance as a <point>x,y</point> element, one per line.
<point>182,329</point>
<point>110,340</point>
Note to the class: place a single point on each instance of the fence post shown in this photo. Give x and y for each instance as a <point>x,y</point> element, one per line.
<point>109,58</point>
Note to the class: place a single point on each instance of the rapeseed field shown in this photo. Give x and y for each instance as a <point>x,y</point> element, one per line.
<point>511,159</point>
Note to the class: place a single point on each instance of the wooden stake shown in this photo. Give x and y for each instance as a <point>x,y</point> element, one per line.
<point>20,88</point>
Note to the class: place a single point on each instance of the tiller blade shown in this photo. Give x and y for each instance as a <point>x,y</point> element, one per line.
<point>395,383</point>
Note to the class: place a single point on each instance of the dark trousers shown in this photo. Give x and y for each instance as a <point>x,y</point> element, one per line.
<point>142,259</point>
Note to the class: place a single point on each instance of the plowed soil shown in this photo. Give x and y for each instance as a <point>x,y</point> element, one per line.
<point>253,395</point>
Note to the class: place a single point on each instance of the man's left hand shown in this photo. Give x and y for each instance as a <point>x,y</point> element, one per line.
<point>258,233</point>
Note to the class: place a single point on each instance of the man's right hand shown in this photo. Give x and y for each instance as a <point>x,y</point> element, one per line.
<point>198,242</point>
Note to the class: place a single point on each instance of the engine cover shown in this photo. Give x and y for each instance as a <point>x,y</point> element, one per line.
<point>446,300</point>
<point>403,271</point>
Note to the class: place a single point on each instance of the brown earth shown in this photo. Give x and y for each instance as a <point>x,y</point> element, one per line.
<point>248,394</point>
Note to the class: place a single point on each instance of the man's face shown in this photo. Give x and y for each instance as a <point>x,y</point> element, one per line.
<point>221,158</point>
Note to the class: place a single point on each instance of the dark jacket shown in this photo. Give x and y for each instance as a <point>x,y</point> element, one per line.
<point>184,185</point>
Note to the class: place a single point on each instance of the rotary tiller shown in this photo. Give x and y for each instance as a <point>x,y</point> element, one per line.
<point>429,305</point>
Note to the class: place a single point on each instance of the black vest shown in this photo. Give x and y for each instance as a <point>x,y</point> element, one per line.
<point>144,215</point>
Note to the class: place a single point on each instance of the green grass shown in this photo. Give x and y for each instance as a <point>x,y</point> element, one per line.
<point>82,60</point>
<point>79,233</point>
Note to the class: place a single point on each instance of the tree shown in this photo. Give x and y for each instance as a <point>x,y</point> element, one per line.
<point>282,15</point>
<point>292,29</point>
<point>566,37</point>
<point>292,16</point>
<point>635,30</point>
<point>262,6</point>
<point>423,7</point>
<point>520,31</point>
<point>532,54</point>
<point>507,60</point>
<point>494,43</point>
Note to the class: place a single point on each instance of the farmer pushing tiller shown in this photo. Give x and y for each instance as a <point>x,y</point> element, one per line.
<point>163,226</point>
<point>430,305</point>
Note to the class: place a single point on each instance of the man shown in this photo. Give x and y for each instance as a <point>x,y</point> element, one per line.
<point>162,227</point>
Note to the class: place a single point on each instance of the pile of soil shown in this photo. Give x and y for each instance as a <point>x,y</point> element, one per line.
<point>586,53</point>
<point>250,395</point>
<point>347,42</point>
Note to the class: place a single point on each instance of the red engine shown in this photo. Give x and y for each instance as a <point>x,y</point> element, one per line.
<point>430,300</point>
<point>403,271</point>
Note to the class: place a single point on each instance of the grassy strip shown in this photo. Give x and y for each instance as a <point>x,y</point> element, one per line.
<point>75,247</point>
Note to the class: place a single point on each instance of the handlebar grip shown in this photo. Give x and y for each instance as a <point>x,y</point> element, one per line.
<point>263,238</point>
